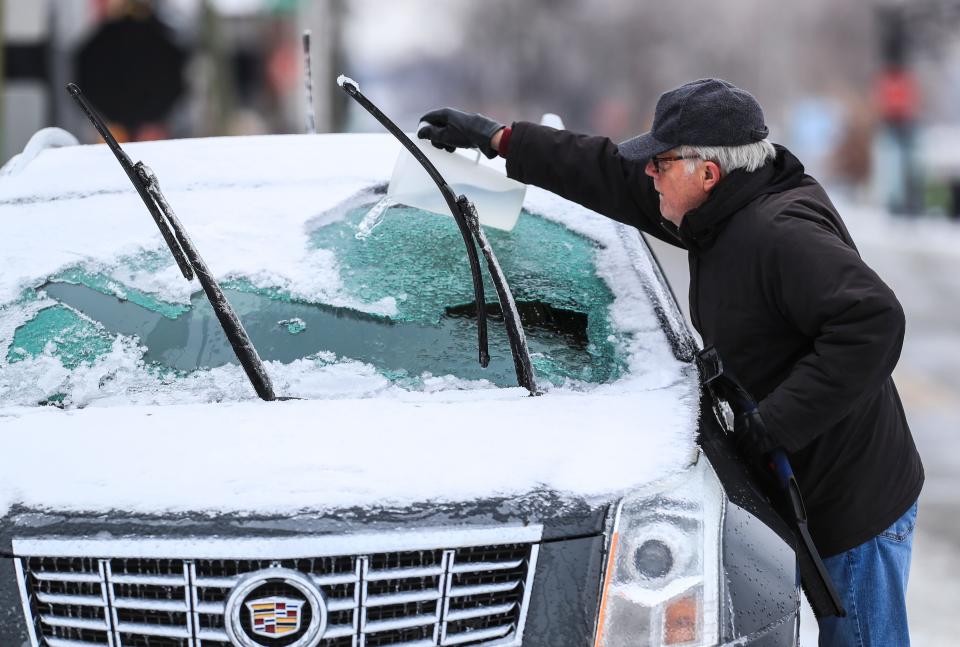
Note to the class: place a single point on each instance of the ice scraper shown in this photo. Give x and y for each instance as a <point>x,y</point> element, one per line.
<point>817,584</point>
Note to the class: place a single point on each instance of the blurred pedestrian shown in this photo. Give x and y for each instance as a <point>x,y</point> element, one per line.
<point>777,286</point>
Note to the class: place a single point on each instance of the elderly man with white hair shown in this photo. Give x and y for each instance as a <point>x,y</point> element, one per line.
<point>778,288</point>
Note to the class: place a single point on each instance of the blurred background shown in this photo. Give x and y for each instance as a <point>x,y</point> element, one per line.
<point>865,92</point>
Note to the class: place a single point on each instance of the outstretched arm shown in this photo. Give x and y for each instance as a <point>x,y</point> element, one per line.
<point>587,170</point>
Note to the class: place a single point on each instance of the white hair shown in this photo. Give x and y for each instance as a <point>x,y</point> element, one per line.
<point>749,157</point>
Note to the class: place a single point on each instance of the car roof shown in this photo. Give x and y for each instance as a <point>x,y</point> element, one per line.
<point>66,172</point>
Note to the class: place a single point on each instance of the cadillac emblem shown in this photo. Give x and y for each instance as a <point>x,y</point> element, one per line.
<point>275,616</point>
<point>275,607</point>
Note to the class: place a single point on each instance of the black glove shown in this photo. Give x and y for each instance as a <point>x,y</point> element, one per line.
<point>751,435</point>
<point>449,129</point>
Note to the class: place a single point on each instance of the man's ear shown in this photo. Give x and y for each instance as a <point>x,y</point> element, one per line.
<point>711,175</point>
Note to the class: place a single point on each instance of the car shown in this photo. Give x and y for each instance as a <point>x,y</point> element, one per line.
<point>397,493</point>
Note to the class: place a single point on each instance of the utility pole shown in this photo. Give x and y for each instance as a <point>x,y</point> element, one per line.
<point>326,20</point>
<point>3,76</point>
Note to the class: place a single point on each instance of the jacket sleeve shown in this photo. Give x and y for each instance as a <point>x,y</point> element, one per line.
<point>589,171</point>
<point>820,284</point>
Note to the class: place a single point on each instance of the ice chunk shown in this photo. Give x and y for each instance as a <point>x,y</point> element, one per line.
<point>294,326</point>
<point>109,285</point>
<point>373,218</point>
<point>61,332</point>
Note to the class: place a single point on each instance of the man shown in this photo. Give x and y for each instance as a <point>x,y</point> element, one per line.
<point>777,286</point>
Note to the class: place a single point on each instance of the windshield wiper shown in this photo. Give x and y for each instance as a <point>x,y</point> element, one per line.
<point>466,216</point>
<point>352,89</point>
<point>183,250</point>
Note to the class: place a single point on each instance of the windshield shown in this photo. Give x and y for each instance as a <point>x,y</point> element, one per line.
<point>86,329</point>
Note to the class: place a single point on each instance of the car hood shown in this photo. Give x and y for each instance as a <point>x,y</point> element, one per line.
<point>486,455</point>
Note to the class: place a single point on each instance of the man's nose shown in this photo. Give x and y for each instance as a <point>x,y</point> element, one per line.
<point>650,169</point>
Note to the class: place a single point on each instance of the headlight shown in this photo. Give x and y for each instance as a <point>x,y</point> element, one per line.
<point>662,580</point>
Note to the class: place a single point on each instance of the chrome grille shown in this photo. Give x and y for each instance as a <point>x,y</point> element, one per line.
<point>338,578</point>
<point>154,594</point>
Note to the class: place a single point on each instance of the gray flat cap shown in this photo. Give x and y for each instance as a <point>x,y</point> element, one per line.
<point>707,112</point>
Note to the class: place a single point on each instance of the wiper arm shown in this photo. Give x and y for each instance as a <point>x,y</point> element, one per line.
<point>466,216</point>
<point>183,250</point>
<point>131,170</point>
<point>511,316</point>
<point>351,88</point>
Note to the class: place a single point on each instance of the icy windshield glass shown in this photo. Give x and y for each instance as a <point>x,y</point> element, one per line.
<point>85,331</point>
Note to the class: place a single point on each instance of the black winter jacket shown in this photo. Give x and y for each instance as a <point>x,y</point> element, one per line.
<point>778,287</point>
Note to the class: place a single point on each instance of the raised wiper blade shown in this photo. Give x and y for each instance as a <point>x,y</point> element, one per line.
<point>466,216</point>
<point>352,89</point>
<point>184,251</point>
<point>130,169</point>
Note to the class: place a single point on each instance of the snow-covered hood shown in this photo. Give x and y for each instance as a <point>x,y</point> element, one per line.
<point>143,448</point>
<point>287,457</point>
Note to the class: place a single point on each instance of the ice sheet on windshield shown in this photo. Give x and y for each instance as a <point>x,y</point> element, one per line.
<point>415,258</point>
<point>295,243</point>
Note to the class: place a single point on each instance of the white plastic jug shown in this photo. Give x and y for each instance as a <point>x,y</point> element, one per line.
<point>498,199</point>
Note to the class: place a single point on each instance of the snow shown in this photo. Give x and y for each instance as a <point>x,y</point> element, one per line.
<point>278,547</point>
<point>282,457</point>
<point>625,267</point>
<point>250,204</point>
<point>96,217</point>
<point>346,80</point>
<point>41,140</point>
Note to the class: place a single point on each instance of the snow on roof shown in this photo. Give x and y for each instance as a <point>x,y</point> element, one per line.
<point>247,203</point>
<point>243,200</point>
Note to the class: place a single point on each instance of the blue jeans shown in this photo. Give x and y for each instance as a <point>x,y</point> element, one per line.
<point>872,582</point>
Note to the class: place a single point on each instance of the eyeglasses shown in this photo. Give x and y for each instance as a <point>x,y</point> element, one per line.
<point>657,161</point>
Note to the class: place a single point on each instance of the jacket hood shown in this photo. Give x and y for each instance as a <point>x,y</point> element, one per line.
<point>701,226</point>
